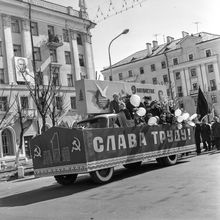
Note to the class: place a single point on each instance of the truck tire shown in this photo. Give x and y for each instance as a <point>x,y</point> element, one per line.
<point>102,176</point>
<point>67,179</point>
<point>133,166</point>
<point>167,161</point>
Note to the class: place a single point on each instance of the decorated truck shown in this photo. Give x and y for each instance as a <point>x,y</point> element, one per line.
<point>96,145</point>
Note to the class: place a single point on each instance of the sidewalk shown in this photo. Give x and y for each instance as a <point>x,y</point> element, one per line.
<point>8,172</point>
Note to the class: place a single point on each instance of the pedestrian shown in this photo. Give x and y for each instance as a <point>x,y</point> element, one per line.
<point>216,132</point>
<point>206,135</point>
<point>197,137</point>
<point>114,104</point>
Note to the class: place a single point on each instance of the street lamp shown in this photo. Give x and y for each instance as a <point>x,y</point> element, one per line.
<point>109,54</point>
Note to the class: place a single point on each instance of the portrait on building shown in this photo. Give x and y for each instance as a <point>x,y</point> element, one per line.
<point>22,70</point>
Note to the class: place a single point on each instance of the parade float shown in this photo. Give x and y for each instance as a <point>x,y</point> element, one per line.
<point>96,146</point>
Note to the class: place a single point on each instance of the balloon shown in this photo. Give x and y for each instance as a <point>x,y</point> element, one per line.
<point>135,100</point>
<point>179,126</point>
<point>180,118</point>
<point>185,116</point>
<point>152,121</point>
<point>192,117</point>
<point>191,123</point>
<point>141,111</point>
<point>178,112</point>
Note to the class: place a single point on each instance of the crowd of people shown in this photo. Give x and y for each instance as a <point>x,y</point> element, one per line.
<point>207,134</point>
<point>163,113</point>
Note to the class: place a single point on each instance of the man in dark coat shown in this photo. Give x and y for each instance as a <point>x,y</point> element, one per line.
<point>206,135</point>
<point>216,132</point>
<point>114,104</point>
<point>198,137</point>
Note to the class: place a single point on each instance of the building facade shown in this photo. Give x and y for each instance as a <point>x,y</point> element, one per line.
<point>183,65</point>
<point>48,40</point>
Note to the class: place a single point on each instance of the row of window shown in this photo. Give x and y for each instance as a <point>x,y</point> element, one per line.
<point>37,54</point>
<point>25,103</point>
<point>15,28</point>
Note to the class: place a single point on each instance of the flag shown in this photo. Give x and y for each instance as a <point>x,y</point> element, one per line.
<point>202,105</point>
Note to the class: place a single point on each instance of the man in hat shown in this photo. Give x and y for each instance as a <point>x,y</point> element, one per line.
<point>114,104</point>
<point>216,132</point>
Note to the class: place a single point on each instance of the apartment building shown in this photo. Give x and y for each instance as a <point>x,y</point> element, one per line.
<point>183,65</point>
<point>42,36</point>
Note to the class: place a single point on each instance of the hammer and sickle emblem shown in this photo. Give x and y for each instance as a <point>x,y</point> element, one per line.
<point>76,144</point>
<point>37,152</point>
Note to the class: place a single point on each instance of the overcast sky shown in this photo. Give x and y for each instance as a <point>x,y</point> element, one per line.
<point>162,17</point>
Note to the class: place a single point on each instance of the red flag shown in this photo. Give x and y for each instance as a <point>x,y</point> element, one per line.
<point>202,105</point>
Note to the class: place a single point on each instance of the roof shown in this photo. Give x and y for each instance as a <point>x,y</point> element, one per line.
<point>173,45</point>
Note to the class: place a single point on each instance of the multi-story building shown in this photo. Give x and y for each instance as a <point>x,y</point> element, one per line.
<point>183,65</point>
<point>50,40</point>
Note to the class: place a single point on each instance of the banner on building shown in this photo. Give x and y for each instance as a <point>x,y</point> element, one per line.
<point>22,69</point>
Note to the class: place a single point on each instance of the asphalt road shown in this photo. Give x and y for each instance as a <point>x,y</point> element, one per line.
<point>189,190</point>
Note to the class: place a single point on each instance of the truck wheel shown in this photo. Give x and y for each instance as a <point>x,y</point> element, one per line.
<point>66,179</point>
<point>133,166</point>
<point>102,176</point>
<point>168,161</point>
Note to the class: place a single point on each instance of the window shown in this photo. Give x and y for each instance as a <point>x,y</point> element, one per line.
<point>34,28</point>
<point>110,78</point>
<point>70,80</point>
<point>214,98</point>
<point>208,53</point>
<point>168,92</point>
<point>2,77</point>
<point>1,48</point>
<point>210,68</point>
<point>15,25</point>
<point>59,103</point>
<point>39,78</point>
<point>55,75</point>
<point>79,39</point>
<point>177,75</point>
<point>163,65</point>
<point>152,67</point>
<point>81,60</point>
<point>175,61</point>
<point>53,55</point>
<point>141,70</point>
<point>68,57</point>
<point>120,76</point>
<point>73,102</point>
<point>193,72</point>
<point>179,91</point>
<point>154,80</point>
<point>17,50</point>
<point>165,78</point>
<point>66,35</point>
<point>130,74</point>
<point>190,57</point>
<point>212,85</point>
<point>24,102</point>
<point>3,103</point>
<point>50,30</point>
<point>195,86</point>
<point>143,81</point>
<point>37,54</point>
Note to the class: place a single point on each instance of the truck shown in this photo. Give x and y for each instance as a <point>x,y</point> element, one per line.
<point>100,143</point>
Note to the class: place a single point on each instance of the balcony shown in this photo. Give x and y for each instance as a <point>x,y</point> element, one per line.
<point>54,41</point>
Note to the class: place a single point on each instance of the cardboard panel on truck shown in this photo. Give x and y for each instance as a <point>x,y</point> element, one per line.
<point>93,96</point>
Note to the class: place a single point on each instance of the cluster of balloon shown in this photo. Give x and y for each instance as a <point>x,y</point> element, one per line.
<point>184,117</point>
<point>135,100</point>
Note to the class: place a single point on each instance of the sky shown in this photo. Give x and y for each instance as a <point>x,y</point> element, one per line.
<point>153,17</point>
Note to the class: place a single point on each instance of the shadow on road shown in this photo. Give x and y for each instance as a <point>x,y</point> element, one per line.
<point>83,183</point>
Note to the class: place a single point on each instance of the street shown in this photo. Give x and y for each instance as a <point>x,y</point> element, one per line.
<point>188,190</point>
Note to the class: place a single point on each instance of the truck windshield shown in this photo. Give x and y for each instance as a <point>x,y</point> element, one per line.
<point>94,123</point>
